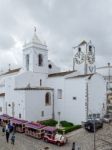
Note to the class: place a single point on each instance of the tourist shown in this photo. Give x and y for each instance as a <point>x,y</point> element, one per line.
<point>7,135</point>
<point>73,146</point>
<point>13,139</point>
<point>3,131</point>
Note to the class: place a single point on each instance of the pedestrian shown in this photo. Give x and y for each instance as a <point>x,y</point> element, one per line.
<point>3,131</point>
<point>13,139</point>
<point>14,128</point>
<point>7,135</point>
<point>73,146</point>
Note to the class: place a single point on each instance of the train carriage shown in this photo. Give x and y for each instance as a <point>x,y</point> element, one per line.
<point>34,129</point>
<point>19,125</point>
<point>4,119</point>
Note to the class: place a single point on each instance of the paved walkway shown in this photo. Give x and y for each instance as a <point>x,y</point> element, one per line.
<point>81,137</point>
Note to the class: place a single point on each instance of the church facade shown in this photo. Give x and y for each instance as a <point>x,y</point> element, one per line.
<point>39,91</point>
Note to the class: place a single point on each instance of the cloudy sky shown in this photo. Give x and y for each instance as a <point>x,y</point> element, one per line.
<point>61,23</point>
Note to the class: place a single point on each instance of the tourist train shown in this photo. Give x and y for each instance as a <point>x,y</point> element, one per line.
<point>33,129</point>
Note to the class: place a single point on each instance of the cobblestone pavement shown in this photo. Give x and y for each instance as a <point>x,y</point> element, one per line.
<point>81,137</point>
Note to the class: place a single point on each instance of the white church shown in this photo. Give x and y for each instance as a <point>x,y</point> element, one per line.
<point>40,91</point>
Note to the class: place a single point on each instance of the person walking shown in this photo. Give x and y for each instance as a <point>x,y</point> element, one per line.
<point>73,146</point>
<point>7,135</point>
<point>3,131</point>
<point>13,139</point>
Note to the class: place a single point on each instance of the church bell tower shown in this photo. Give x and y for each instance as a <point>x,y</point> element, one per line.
<point>35,56</point>
<point>84,58</point>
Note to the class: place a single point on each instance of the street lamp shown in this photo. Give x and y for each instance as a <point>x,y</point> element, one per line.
<point>108,75</point>
<point>59,113</point>
<point>94,134</point>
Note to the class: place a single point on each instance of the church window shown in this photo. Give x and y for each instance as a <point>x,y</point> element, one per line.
<point>27,62</point>
<point>48,99</point>
<point>40,82</point>
<point>40,60</point>
<point>90,48</point>
<point>50,66</point>
<point>19,115</point>
<point>79,49</point>
<point>74,98</point>
<point>59,93</point>
<point>42,113</point>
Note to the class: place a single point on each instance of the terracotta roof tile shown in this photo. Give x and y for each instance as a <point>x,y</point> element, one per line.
<point>2,94</point>
<point>11,71</point>
<point>34,88</point>
<point>60,74</point>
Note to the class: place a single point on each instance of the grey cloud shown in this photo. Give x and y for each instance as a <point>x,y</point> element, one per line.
<point>62,23</point>
<point>6,42</point>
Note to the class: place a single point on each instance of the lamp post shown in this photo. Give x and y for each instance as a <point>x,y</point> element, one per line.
<point>108,75</point>
<point>59,113</point>
<point>94,134</point>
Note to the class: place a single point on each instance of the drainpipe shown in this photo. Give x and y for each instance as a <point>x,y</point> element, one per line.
<point>53,105</point>
<point>87,100</point>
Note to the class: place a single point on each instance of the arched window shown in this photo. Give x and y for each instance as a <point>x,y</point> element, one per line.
<point>40,82</point>
<point>48,99</point>
<point>40,60</point>
<point>27,62</point>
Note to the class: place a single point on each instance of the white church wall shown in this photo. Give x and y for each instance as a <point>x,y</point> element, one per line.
<point>14,100</point>
<point>35,104</point>
<point>9,94</point>
<point>59,106</point>
<point>2,89</point>
<point>31,78</point>
<point>97,94</point>
<point>52,68</point>
<point>2,85</point>
<point>68,107</point>
<point>75,91</point>
<point>19,109</point>
<point>2,101</point>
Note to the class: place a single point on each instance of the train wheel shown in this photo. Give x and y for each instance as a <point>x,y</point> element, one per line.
<point>58,143</point>
<point>46,140</point>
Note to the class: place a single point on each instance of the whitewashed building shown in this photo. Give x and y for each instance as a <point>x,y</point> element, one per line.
<point>106,72</point>
<point>39,91</point>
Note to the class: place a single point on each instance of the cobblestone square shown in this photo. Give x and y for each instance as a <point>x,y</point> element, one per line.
<point>81,137</point>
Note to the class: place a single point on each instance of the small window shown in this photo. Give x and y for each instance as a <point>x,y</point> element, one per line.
<point>40,82</point>
<point>42,113</point>
<point>40,60</point>
<point>50,66</point>
<point>74,98</point>
<point>0,109</point>
<point>90,48</point>
<point>48,99</point>
<point>19,115</point>
<point>79,49</point>
<point>59,93</point>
